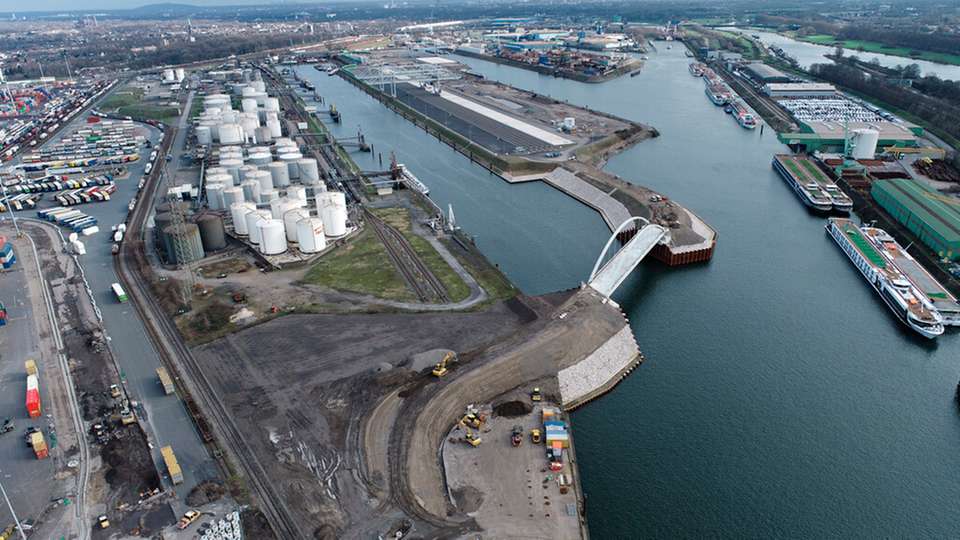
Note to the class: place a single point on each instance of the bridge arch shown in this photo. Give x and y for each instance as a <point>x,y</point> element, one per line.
<point>613,237</point>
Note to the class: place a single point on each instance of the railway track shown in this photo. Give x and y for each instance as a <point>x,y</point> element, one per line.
<point>178,357</point>
<point>424,284</point>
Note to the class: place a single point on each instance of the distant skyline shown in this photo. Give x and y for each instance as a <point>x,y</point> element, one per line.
<point>17,6</point>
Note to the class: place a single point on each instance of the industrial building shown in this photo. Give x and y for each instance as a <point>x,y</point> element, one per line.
<point>820,136</point>
<point>933,217</point>
<point>764,74</point>
<point>799,90</point>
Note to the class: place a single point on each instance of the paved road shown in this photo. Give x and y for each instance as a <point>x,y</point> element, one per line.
<point>25,478</point>
<point>168,422</point>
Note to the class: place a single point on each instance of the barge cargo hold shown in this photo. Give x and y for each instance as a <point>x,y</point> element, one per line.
<point>900,295</point>
<point>811,184</point>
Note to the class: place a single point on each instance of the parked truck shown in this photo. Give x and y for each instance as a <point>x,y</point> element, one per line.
<point>170,460</point>
<point>165,381</point>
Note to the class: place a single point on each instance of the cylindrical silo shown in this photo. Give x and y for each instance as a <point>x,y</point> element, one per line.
<point>279,206</point>
<point>248,92</point>
<point>272,104</point>
<point>262,177</point>
<point>267,195</point>
<point>238,212</point>
<point>297,192</point>
<point>275,129</point>
<point>233,168</point>
<point>232,195</point>
<point>225,178</point>
<point>310,235</point>
<point>273,241</point>
<point>248,105</point>
<point>185,244</point>
<point>249,126</point>
<point>204,136</point>
<point>246,171</point>
<point>259,86</point>
<point>280,174</point>
<point>309,171</point>
<point>212,235</point>
<point>290,219</point>
<point>292,160</point>
<point>215,196</point>
<point>263,134</point>
<point>251,191</point>
<point>231,134</point>
<point>252,218</point>
<point>864,143</point>
<point>260,157</point>
<point>332,207</point>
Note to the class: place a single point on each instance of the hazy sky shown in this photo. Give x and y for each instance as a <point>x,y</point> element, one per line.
<point>56,5</point>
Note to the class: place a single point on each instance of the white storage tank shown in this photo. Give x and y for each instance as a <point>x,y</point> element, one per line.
<point>229,117</point>
<point>231,134</point>
<point>251,191</point>
<point>204,136</point>
<point>215,196</point>
<point>260,157</point>
<point>273,240</point>
<point>297,192</point>
<point>309,171</point>
<point>280,206</point>
<point>259,86</point>
<point>290,219</point>
<point>332,207</point>
<point>864,143</point>
<point>238,212</point>
<point>214,170</point>
<point>272,104</point>
<point>263,178</point>
<point>268,195</point>
<point>280,174</point>
<point>180,73</point>
<point>310,235</point>
<point>275,128</point>
<point>253,218</point>
<point>246,171</point>
<point>249,126</point>
<point>220,178</point>
<point>233,168</point>
<point>169,75</point>
<point>292,159</point>
<point>248,91</point>
<point>231,196</point>
<point>263,134</point>
<point>248,105</point>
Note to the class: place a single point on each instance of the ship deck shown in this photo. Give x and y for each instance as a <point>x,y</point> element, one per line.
<point>860,242</point>
<point>804,171</point>
<point>941,299</point>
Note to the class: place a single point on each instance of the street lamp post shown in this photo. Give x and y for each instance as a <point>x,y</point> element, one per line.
<point>23,535</point>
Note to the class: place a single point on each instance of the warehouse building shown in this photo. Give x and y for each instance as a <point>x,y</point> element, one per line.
<point>926,213</point>
<point>764,74</point>
<point>799,90</point>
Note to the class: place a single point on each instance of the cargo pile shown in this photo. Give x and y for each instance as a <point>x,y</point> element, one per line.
<point>557,437</point>
<point>7,256</point>
<point>228,528</point>
<point>170,460</point>
<point>76,220</point>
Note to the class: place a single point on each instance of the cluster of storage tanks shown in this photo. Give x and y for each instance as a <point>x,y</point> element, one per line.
<point>289,221</point>
<point>171,76</point>
<point>257,121</point>
<point>201,233</point>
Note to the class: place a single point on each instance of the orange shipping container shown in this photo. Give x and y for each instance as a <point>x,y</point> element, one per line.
<point>33,403</point>
<point>42,453</point>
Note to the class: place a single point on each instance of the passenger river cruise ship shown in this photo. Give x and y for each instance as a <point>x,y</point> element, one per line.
<point>908,303</point>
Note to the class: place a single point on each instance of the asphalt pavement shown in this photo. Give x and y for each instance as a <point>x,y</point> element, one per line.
<point>27,480</point>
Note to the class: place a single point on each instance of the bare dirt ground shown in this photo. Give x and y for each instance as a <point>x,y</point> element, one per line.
<point>300,384</point>
<point>122,471</point>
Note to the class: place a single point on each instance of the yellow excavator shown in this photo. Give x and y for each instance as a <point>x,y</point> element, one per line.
<point>471,439</point>
<point>440,369</point>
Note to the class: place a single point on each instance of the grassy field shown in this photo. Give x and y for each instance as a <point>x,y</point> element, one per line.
<point>361,266</point>
<point>122,98</point>
<point>874,47</point>
<point>399,218</point>
<point>128,101</point>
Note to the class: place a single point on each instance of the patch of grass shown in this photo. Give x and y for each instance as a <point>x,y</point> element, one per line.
<point>399,218</point>
<point>492,280</point>
<point>123,97</point>
<point>875,47</point>
<point>361,266</point>
<point>167,115</point>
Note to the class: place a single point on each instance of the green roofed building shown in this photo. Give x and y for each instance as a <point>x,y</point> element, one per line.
<point>927,213</point>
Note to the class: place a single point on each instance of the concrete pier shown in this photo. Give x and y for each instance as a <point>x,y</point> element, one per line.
<point>611,210</point>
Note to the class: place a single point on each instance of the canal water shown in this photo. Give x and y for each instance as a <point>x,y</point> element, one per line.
<point>811,53</point>
<point>779,397</point>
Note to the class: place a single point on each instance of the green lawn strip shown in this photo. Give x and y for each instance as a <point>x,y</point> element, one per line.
<point>874,47</point>
<point>797,172</point>
<point>399,218</point>
<point>121,98</point>
<point>361,266</point>
<point>813,170</point>
<point>159,113</point>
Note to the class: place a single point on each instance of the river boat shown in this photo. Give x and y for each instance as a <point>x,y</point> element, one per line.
<point>809,192</point>
<point>903,299</point>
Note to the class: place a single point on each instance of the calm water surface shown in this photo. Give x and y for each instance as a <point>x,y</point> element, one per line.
<point>779,397</point>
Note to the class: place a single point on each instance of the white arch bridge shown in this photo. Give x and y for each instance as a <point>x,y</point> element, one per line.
<point>605,279</point>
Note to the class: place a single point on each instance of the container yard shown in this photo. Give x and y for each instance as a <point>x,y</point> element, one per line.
<point>105,143</point>
<point>558,61</point>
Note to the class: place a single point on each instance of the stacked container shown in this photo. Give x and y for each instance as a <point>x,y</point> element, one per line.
<point>33,396</point>
<point>7,256</point>
<point>170,460</point>
<point>39,445</point>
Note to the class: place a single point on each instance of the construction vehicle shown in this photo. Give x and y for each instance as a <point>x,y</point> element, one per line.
<point>114,391</point>
<point>471,439</point>
<point>188,517</point>
<point>516,436</point>
<point>535,436</point>
<point>103,522</point>
<point>7,426</point>
<point>536,395</point>
<point>472,420</point>
<point>127,417</point>
<point>440,369</point>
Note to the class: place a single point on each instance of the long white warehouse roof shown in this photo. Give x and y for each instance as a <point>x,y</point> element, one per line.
<point>542,134</point>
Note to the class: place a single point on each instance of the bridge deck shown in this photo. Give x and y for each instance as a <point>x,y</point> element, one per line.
<point>612,274</point>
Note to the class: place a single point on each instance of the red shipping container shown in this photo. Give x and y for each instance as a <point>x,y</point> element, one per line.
<point>33,403</point>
